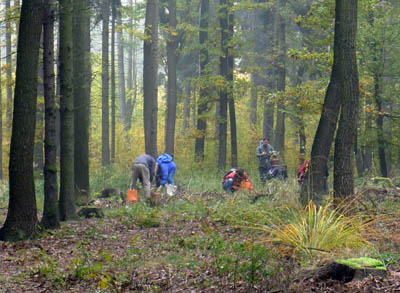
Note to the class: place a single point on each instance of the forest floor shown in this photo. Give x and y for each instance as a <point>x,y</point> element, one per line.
<point>186,245</point>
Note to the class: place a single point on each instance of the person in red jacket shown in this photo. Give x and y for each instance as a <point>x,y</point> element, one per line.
<point>236,179</point>
<point>301,173</point>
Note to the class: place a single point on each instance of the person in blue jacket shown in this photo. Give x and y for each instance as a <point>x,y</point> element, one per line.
<point>166,169</point>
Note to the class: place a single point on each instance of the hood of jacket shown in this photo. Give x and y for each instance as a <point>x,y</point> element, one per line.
<point>164,158</point>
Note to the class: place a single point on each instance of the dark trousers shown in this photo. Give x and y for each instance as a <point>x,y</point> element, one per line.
<point>263,173</point>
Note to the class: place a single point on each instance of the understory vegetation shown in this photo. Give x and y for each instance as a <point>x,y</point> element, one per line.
<point>202,239</point>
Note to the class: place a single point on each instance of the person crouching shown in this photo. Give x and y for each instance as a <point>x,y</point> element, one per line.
<point>235,180</point>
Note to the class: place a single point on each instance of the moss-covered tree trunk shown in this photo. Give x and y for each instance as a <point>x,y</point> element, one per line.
<point>21,218</point>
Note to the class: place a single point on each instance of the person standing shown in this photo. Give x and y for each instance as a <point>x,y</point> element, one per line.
<point>263,153</point>
<point>143,168</point>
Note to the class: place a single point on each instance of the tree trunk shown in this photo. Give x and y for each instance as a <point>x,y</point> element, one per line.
<point>150,77</point>
<point>231,100</point>
<point>171,93</point>
<point>67,194</point>
<point>253,103</point>
<point>105,120</point>
<point>21,218</point>
<point>50,219</point>
<point>113,16</point>
<point>379,124</point>
<point>279,141</point>
<point>203,93</point>
<point>81,99</point>
<point>129,78</point>
<point>268,121</point>
<point>223,96</point>
<point>346,11</point>
<point>186,108</point>
<point>121,77</point>
<point>9,66</point>
<point>1,128</point>
<point>314,185</point>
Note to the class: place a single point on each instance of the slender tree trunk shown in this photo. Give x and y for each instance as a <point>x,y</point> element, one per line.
<point>279,141</point>
<point>130,53</point>
<point>203,93</point>
<point>150,66</point>
<point>67,194</point>
<point>50,219</point>
<point>231,100</point>
<point>268,121</point>
<point>171,94</point>
<point>105,120</point>
<point>223,96</point>
<point>253,103</point>
<point>81,100</point>
<point>186,108</point>
<point>113,16</point>
<point>9,65</point>
<point>121,77</point>
<point>21,221</point>
<point>1,127</point>
<point>379,122</point>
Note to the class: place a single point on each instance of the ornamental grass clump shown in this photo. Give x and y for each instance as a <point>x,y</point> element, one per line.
<point>314,230</point>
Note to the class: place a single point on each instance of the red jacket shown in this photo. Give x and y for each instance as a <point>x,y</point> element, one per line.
<point>236,179</point>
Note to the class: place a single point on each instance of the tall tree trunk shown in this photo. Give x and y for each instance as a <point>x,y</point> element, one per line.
<point>279,141</point>
<point>50,219</point>
<point>1,128</point>
<point>231,100</point>
<point>203,93</point>
<point>349,100</point>
<point>81,99</point>
<point>9,65</point>
<point>121,77</point>
<point>67,194</point>
<point>186,108</point>
<point>129,78</point>
<point>268,120</point>
<point>314,185</point>
<point>253,103</point>
<point>105,119</point>
<point>171,94</point>
<point>21,218</point>
<point>113,16</point>
<point>150,66</point>
<point>379,123</point>
<point>223,96</point>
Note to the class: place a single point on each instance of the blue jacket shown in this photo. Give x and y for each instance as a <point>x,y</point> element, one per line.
<point>166,169</point>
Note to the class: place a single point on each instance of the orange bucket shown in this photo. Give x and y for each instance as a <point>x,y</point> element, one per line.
<point>246,185</point>
<point>132,195</point>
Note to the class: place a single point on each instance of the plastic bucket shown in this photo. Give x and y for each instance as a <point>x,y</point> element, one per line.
<point>246,185</point>
<point>132,195</point>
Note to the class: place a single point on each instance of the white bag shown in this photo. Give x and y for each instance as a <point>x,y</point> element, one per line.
<point>170,189</point>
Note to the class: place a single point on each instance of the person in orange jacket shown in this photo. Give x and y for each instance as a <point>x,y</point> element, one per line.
<point>236,179</point>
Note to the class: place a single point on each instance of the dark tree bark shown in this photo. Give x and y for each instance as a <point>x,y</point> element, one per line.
<point>343,185</point>
<point>171,91</point>
<point>105,119</point>
<point>129,78</point>
<point>50,219</point>
<point>9,65</point>
<point>21,221</point>
<point>223,96</point>
<point>150,66</point>
<point>81,99</point>
<point>379,123</point>
<point>314,185</point>
<point>268,120</point>
<point>203,94</point>
<point>113,17</point>
<point>67,195</point>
